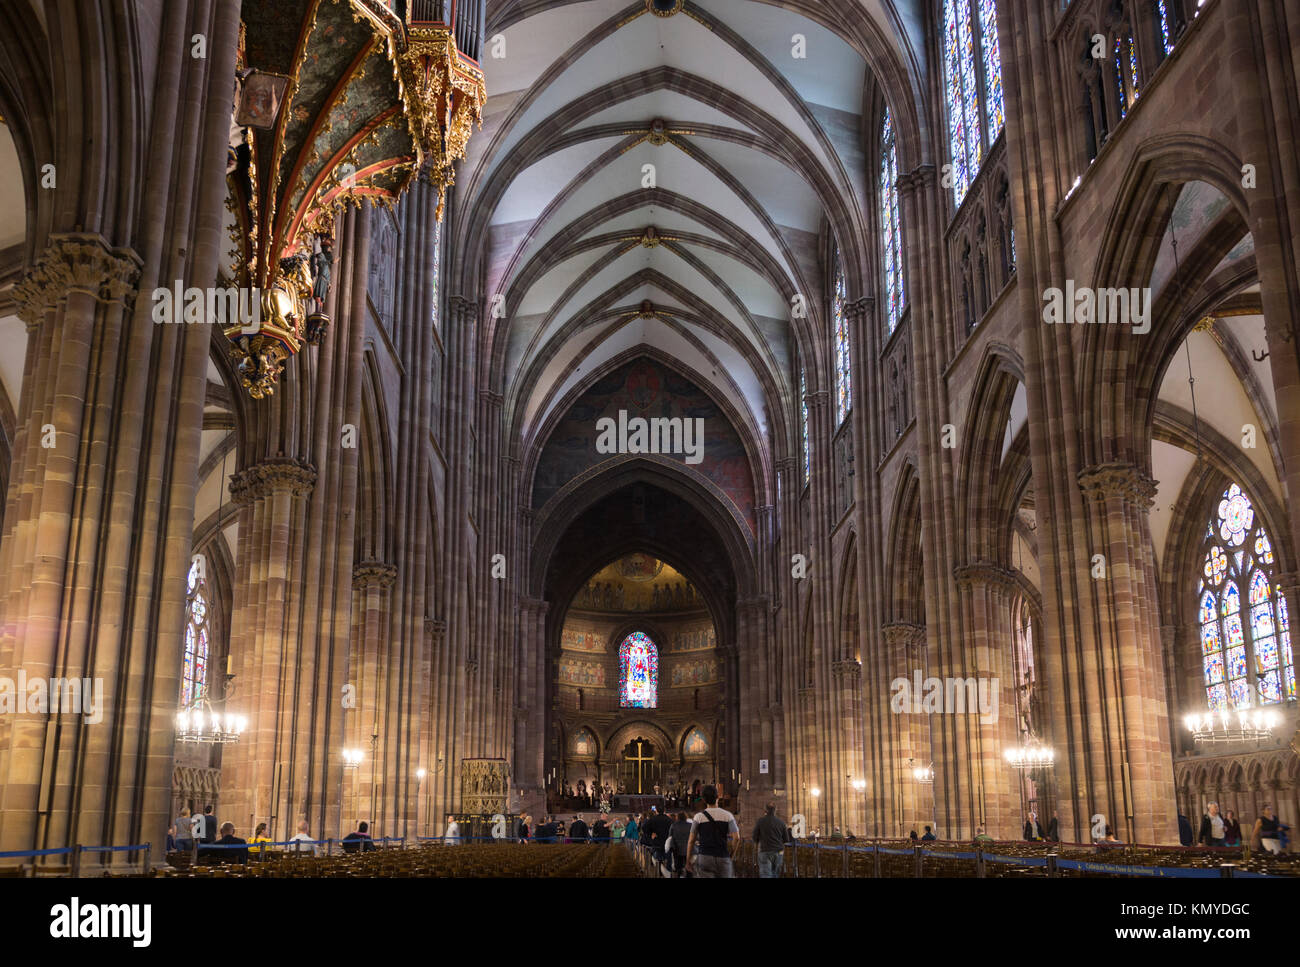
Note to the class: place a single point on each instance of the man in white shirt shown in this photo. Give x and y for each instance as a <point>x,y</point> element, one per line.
<point>452,836</point>
<point>303,841</point>
<point>715,832</point>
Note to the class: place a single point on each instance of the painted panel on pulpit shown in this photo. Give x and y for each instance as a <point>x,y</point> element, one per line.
<point>574,671</point>
<point>695,744</point>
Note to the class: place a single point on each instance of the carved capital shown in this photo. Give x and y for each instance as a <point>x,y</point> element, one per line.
<point>279,475</point>
<point>373,574</point>
<point>77,262</point>
<point>1120,480</point>
<point>984,573</point>
<point>905,637</point>
<point>849,668</point>
<point>916,179</point>
<point>858,310</point>
<point>435,628</point>
<point>817,398</point>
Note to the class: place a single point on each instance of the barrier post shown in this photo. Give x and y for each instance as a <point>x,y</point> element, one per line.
<point>148,854</point>
<point>981,869</point>
<point>1228,870</point>
<point>1052,869</point>
<point>796,859</point>
<point>817,860</point>
<point>876,849</point>
<point>846,858</point>
<point>76,860</point>
<point>918,870</point>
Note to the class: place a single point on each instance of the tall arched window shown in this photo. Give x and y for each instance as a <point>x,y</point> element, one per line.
<point>1164,10</point>
<point>972,66</point>
<point>839,319</point>
<point>803,423</point>
<point>1245,645</point>
<point>891,227</point>
<point>638,672</point>
<point>194,674</point>
<point>1126,70</point>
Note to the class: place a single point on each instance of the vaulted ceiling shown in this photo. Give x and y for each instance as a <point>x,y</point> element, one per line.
<point>662,179</point>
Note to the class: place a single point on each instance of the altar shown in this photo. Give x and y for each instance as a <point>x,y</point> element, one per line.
<point>633,803</point>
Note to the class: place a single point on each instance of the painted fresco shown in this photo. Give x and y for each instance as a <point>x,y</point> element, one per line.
<point>645,389</point>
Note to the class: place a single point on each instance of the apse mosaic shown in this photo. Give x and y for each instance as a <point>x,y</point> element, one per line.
<point>703,671</point>
<point>577,672</point>
<point>571,640</point>
<point>695,743</point>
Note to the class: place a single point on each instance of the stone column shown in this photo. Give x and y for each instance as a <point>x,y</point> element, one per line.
<point>100,503</point>
<point>903,803</point>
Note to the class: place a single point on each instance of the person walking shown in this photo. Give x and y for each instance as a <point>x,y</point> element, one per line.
<point>716,833</point>
<point>769,834</point>
<point>1214,830</point>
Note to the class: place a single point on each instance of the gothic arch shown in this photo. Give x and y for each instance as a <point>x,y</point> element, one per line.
<point>980,459</point>
<point>1120,375</point>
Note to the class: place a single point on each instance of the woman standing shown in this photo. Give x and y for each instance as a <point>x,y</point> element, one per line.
<point>1231,829</point>
<point>1267,833</point>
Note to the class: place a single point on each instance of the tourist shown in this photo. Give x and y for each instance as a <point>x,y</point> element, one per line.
<point>679,835</point>
<point>360,841</point>
<point>184,832</point>
<point>452,836</point>
<point>209,833</point>
<point>982,837</point>
<point>171,839</point>
<point>1184,830</point>
<point>228,838</point>
<point>631,832</point>
<point>836,834</point>
<point>1231,829</point>
<point>912,836</point>
<point>1053,829</point>
<point>1268,831</point>
<point>1033,832</point>
<point>302,840</point>
<point>578,832</point>
<point>1109,838</point>
<point>658,828</point>
<point>715,831</point>
<point>259,837</point>
<point>616,831</point>
<point>929,836</point>
<point>769,834</point>
<point>1213,828</point>
<point>600,830</point>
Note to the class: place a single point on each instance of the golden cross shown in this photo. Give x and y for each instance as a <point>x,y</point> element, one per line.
<point>639,759</point>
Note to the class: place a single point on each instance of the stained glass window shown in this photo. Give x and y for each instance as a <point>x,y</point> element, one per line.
<point>843,376</point>
<point>891,227</point>
<point>803,411</point>
<point>194,674</point>
<point>1165,15</point>
<point>972,67</point>
<point>1126,72</point>
<point>437,266</point>
<point>1247,656</point>
<point>638,672</point>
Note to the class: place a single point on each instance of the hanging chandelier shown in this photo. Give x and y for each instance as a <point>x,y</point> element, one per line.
<point>200,724</point>
<point>1245,725</point>
<point>1032,756</point>
<point>922,774</point>
<point>339,102</point>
